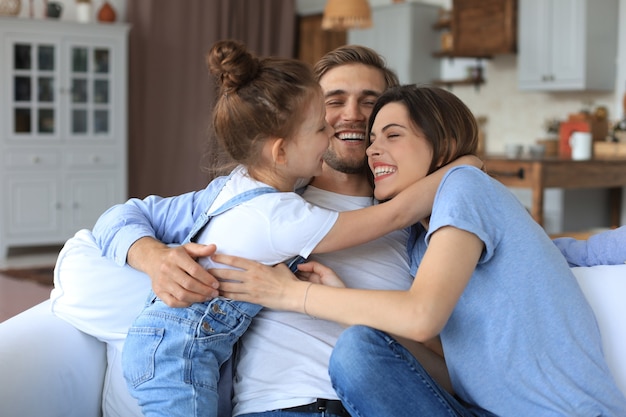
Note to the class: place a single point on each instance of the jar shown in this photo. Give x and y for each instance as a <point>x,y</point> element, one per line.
<point>84,12</point>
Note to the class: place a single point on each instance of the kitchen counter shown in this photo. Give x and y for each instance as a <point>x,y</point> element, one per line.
<point>555,172</point>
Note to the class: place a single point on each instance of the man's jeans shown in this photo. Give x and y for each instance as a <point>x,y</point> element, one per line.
<point>278,413</point>
<point>376,376</point>
<point>172,356</point>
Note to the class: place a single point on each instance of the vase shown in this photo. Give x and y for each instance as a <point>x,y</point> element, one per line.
<point>106,13</point>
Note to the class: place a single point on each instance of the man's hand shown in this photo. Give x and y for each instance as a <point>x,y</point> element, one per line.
<point>177,278</point>
<point>319,274</point>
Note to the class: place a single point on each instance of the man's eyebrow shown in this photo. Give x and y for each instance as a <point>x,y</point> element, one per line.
<point>340,92</point>
<point>371,93</point>
<point>334,93</point>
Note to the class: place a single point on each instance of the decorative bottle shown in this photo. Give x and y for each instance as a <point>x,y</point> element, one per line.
<point>106,13</point>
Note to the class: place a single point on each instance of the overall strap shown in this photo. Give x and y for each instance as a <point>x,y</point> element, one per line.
<point>213,191</point>
<point>242,198</point>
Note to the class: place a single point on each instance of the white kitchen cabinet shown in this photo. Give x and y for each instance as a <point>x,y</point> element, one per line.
<point>567,45</point>
<point>403,34</point>
<point>63,128</point>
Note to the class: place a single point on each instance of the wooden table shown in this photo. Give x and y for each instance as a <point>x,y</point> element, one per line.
<point>555,172</point>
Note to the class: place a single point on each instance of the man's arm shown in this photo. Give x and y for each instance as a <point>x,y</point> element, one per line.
<point>606,248</point>
<point>138,233</point>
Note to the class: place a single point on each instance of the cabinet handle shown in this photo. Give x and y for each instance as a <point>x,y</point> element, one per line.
<point>516,174</point>
<point>36,159</point>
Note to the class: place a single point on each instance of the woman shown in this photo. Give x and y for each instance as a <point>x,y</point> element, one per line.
<point>518,335</point>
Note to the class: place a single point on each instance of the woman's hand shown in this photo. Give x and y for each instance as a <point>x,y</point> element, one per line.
<point>271,286</point>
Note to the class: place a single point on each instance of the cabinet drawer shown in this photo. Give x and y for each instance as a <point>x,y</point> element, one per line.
<point>92,159</point>
<point>32,159</point>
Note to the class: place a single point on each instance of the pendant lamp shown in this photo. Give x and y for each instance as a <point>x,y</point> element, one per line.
<point>347,14</point>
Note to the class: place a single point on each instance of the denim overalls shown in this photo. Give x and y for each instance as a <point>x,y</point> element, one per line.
<point>172,356</point>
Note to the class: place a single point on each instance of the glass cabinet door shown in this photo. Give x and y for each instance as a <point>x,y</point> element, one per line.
<point>90,87</point>
<point>34,101</point>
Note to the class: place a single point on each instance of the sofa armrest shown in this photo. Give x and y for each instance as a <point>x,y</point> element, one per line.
<point>49,368</point>
<point>604,287</point>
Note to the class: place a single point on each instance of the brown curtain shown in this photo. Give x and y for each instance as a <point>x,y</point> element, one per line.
<point>170,90</point>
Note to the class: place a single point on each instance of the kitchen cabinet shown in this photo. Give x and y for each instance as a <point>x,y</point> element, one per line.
<point>63,128</point>
<point>402,33</point>
<point>567,45</point>
<point>480,28</point>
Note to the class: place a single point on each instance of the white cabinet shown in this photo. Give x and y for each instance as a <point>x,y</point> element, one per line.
<point>403,34</point>
<point>567,45</point>
<point>63,128</point>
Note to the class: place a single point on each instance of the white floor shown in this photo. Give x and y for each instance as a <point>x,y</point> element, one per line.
<point>19,295</point>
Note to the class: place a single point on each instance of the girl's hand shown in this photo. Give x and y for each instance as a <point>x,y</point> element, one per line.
<point>319,274</point>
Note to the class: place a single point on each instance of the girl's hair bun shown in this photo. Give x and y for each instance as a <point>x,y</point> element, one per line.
<point>232,65</point>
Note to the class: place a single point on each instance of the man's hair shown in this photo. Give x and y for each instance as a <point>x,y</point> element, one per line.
<point>355,54</point>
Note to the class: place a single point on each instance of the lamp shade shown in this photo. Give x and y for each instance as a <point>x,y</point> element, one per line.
<point>347,14</point>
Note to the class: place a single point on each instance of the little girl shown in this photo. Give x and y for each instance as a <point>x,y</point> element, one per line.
<point>270,118</point>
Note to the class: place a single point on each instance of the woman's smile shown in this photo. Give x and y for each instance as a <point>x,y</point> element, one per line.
<point>382,170</point>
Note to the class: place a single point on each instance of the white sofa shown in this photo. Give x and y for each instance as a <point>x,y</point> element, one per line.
<point>49,368</point>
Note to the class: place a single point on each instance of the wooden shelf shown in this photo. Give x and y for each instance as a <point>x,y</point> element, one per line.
<point>442,24</point>
<point>466,81</point>
<point>452,55</point>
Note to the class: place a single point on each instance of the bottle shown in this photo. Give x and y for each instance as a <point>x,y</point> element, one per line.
<point>619,130</point>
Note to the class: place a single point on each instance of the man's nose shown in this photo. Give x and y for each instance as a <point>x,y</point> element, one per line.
<point>353,112</point>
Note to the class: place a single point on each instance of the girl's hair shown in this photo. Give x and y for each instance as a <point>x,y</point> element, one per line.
<point>446,122</point>
<point>354,54</point>
<point>258,98</point>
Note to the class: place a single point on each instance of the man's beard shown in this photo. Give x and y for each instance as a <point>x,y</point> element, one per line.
<point>345,165</point>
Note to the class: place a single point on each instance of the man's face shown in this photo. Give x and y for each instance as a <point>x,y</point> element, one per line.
<point>349,93</point>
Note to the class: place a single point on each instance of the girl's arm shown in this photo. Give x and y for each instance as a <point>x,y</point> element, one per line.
<point>418,313</point>
<point>408,207</point>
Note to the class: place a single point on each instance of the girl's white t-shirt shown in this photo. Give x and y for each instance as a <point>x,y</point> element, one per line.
<point>269,228</point>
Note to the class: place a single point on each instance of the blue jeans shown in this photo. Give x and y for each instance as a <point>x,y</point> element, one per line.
<point>374,375</point>
<point>172,356</point>
<point>279,413</point>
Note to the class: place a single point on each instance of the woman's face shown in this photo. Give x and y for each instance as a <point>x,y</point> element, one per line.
<point>399,154</point>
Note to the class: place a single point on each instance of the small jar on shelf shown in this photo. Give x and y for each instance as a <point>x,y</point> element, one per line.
<point>84,11</point>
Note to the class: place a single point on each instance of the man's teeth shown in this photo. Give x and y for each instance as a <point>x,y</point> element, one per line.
<point>351,136</point>
<point>383,171</point>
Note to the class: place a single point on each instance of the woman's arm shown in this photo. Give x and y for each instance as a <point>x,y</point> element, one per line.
<point>408,207</point>
<point>418,313</point>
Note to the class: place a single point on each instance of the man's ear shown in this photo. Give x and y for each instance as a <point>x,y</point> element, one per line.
<point>279,153</point>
